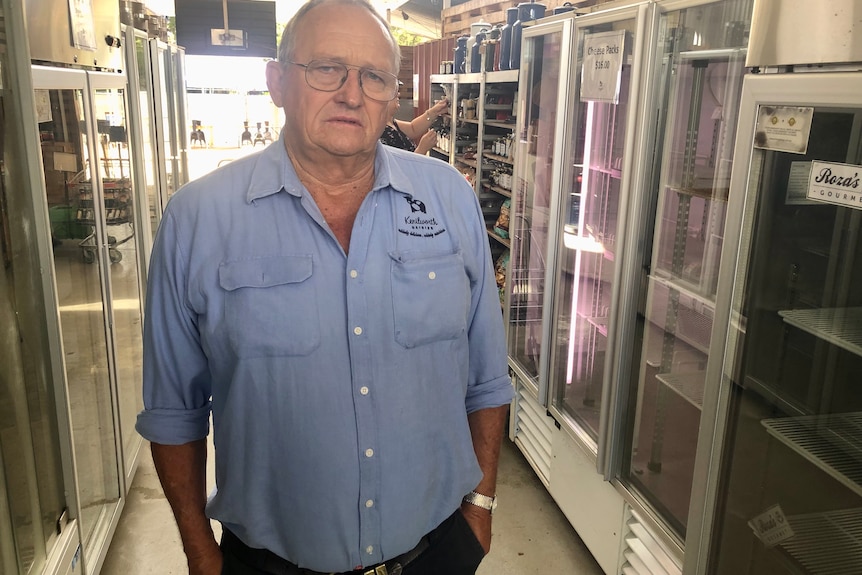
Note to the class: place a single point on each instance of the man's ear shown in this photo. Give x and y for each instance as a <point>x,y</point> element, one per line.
<point>274,82</point>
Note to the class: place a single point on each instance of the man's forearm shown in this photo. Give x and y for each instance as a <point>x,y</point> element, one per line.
<point>182,472</point>
<point>487,427</point>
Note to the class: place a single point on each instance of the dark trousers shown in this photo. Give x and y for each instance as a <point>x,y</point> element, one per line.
<point>453,550</point>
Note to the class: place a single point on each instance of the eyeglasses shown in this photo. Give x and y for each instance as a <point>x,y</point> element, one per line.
<point>329,76</point>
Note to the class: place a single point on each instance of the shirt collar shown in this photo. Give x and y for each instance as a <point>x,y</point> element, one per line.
<point>273,172</point>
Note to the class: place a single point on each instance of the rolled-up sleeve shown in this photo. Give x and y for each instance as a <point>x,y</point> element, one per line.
<point>489,384</point>
<point>176,385</point>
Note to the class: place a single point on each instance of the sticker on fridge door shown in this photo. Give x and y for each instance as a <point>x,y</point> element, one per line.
<point>783,128</point>
<point>837,184</point>
<point>771,526</point>
<point>603,65</point>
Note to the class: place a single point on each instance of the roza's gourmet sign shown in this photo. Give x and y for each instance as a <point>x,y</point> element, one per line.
<point>836,184</point>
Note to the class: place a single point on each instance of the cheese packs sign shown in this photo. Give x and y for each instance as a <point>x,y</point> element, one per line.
<point>837,184</point>
<point>603,63</point>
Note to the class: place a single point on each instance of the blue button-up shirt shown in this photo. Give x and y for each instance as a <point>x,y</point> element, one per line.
<point>339,383</point>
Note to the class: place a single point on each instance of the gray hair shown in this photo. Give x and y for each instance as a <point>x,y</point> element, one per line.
<point>288,37</point>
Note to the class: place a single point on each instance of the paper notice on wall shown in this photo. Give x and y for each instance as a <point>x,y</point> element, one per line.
<point>602,67</point>
<point>83,25</point>
<point>43,106</point>
<point>783,128</point>
<point>771,526</point>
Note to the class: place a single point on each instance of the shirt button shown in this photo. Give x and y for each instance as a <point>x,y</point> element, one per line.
<point>363,390</point>
<point>369,503</point>
<point>357,330</point>
<point>369,453</point>
<point>432,275</point>
<point>354,273</point>
<point>369,549</point>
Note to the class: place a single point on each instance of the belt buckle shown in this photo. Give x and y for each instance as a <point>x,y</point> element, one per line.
<point>380,570</point>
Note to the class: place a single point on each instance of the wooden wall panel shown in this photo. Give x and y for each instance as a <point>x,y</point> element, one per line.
<point>457,19</point>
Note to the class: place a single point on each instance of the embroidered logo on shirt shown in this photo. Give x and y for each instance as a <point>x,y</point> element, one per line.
<point>419,223</point>
<point>416,205</point>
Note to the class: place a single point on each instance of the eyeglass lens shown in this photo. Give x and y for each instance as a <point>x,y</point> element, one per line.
<point>330,76</point>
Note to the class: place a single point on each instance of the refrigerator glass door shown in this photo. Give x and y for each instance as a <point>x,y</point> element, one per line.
<point>171,135</point>
<point>790,492</point>
<point>140,59</point>
<point>593,204</point>
<point>68,128</point>
<point>541,112</point>
<point>32,500</point>
<point>119,197</point>
<point>700,59</point>
<point>179,106</point>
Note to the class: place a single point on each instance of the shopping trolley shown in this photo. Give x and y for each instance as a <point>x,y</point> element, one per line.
<point>118,214</point>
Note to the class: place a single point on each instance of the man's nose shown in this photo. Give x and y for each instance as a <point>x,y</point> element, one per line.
<point>351,88</point>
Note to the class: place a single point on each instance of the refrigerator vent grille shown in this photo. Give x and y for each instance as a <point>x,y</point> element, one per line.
<point>642,554</point>
<point>827,543</point>
<point>533,432</point>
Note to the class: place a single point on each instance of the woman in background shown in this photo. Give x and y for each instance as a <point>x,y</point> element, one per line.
<point>401,134</point>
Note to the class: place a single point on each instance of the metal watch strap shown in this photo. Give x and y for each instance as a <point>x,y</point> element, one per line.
<point>479,500</point>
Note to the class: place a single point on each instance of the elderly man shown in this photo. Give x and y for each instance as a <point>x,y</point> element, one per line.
<point>331,302</point>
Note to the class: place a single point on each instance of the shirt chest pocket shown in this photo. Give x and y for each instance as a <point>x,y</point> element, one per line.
<point>270,306</point>
<point>430,297</point>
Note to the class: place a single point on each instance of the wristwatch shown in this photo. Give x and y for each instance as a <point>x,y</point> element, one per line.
<point>483,501</point>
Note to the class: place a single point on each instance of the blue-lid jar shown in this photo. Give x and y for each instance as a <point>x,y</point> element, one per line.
<point>475,53</point>
<point>526,11</point>
<point>460,54</point>
<point>506,37</point>
<point>566,7</point>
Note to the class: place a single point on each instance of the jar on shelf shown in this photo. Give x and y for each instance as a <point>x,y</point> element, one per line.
<point>460,55</point>
<point>566,7</point>
<point>506,38</point>
<point>475,28</point>
<point>476,53</point>
<point>526,11</point>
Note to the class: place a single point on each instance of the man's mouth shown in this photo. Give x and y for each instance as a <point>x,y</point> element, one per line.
<point>346,120</point>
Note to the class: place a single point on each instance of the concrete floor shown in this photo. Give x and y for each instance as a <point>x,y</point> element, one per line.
<point>531,535</point>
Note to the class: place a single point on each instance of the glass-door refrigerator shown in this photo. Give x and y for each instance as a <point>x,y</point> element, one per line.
<point>587,272</point>
<point>667,313</point>
<point>167,63</point>
<point>788,496</point>
<point>142,124</point>
<point>540,178</point>
<point>576,161</point>
<point>542,111</point>
<point>612,295</point>
<point>92,192</point>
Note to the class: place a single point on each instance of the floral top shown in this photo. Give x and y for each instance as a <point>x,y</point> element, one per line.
<point>393,136</point>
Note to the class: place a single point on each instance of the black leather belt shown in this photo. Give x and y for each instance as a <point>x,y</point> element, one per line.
<point>269,562</point>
